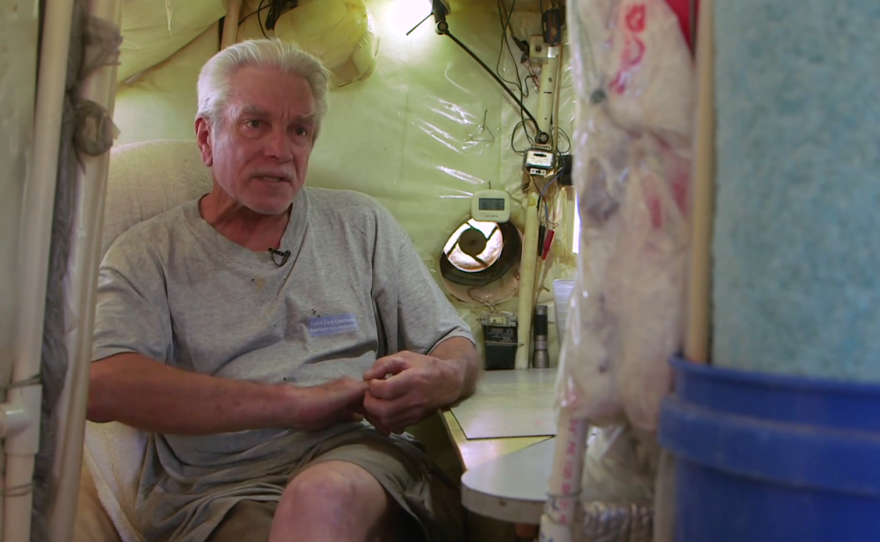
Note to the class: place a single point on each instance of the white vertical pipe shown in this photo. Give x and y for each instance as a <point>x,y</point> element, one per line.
<point>526,294</point>
<point>85,255</point>
<point>36,235</point>
<point>564,485</point>
<point>548,89</point>
<point>230,24</point>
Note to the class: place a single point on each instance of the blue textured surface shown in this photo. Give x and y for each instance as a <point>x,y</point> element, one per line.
<point>769,459</point>
<point>796,278</point>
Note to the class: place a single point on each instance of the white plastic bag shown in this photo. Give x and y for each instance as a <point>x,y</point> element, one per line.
<point>632,174</point>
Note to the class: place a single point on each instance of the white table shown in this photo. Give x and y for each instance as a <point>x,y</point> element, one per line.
<point>506,427</point>
<point>512,487</point>
<point>510,404</point>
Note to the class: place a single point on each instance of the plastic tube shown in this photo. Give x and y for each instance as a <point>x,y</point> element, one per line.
<point>230,24</point>
<point>548,89</point>
<point>560,512</point>
<point>85,256</point>
<point>36,231</point>
<point>527,284</point>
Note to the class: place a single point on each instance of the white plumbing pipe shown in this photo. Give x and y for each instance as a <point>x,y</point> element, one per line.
<point>548,88</point>
<point>36,235</point>
<point>564,486</point>
<point>230,24</point>
<point>525,306</point>
<point>14,418</point>
<point>85,257</point>
<point>527,271</point>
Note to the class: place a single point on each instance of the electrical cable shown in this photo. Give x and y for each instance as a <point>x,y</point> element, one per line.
<point>513,136</point>
<point>260,20</point>
<point>524,90</point>
<point>541,196</point>
<point>249,15</point>
<point>523,93</point>
<point>494,76</point>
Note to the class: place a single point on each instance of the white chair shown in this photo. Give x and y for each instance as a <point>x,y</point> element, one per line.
<point>145,179</point>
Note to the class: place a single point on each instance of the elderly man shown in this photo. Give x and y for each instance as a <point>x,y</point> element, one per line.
<point>249,331</point>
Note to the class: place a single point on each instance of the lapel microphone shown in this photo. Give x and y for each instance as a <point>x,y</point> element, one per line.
<point>285,255</point>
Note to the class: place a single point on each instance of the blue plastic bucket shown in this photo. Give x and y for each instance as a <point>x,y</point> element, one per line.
<point>764,458</point>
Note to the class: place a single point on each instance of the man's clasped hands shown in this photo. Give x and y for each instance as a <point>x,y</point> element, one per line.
<point>399,391</point>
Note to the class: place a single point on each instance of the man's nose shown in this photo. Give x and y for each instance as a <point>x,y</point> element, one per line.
<point>279,145</point>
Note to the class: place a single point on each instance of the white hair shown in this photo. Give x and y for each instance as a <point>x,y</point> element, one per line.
<point>213,87</point>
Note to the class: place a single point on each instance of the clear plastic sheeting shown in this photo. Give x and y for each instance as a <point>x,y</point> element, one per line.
<point>617,522</point>
<point>19,28</point>
<point>617,488</point>
<point>156,29</point>
<point>635,89</point>
<point>620,466</point>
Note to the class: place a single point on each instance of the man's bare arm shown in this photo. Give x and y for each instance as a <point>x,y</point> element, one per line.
<point>461,363</point>
<point>152,396</point>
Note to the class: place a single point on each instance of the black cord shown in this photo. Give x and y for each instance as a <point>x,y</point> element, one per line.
<point>498,79</point>
<point>283,254</point>
<point>505,42</point>
<point>249,15</point>
<point>513,136</point>
<point>523,89</point>
<point>260,20</point>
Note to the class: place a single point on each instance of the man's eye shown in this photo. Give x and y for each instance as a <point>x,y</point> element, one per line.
<point>301,131</point>
<point>253,123</point>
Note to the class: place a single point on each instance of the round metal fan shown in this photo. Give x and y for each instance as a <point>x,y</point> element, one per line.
<point>480,262</point>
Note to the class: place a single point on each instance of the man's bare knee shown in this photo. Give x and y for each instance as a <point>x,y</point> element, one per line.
<point>340,499</point>
<point>322,486</point>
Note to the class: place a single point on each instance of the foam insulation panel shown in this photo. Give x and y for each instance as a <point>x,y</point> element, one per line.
<point>795,282</point>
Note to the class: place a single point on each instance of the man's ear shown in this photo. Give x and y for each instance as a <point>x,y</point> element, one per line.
<point>203,137</point>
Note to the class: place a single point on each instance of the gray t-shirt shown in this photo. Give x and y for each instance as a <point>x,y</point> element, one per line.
<point>175,290</point>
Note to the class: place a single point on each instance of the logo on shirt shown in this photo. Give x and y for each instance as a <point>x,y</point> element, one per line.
<point>337,324</point>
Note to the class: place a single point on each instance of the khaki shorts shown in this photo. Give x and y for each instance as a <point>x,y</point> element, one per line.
<point>421,489</point>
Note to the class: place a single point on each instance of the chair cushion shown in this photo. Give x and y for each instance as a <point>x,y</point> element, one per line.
<point>149,178</point>
<point>144,180</point>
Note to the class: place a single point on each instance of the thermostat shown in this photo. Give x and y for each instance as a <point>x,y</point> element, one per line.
<point>491,206</point>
